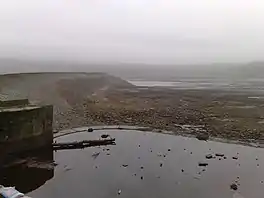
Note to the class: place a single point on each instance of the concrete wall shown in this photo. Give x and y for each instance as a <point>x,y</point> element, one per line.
<point>12,103</point>
<point>25,128</point>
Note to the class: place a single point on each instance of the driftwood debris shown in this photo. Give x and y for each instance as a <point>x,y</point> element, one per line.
<point>82,144</point>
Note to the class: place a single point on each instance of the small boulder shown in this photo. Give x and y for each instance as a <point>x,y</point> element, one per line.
<point>203,137</point>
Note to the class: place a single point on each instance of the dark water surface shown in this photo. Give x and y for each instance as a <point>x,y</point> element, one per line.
<point>143,164</point>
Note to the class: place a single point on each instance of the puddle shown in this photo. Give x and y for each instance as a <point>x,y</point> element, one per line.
<point>144,164</point>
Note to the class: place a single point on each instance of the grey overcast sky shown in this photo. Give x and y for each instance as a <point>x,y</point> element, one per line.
<point>148,31</point>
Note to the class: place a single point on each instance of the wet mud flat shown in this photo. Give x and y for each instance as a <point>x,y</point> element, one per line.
<point>223,113</point>
<point>147,164</point>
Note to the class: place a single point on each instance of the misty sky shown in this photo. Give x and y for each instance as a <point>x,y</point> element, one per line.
<point>148,31</point>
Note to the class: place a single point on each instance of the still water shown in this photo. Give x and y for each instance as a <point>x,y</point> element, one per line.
<point>144,164</point>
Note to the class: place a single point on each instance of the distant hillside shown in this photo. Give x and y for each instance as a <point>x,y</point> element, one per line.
<point>139,70</point>
<point>66,91</point>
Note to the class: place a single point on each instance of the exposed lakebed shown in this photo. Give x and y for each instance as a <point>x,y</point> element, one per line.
<point>146,164</point>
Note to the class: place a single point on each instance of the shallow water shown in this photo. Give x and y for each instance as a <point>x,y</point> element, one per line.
<point>144,164</point>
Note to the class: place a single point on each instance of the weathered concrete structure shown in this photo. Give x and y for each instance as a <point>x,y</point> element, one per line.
<point>24,126</point>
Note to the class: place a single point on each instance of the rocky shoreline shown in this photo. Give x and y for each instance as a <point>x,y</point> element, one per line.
<point>214,113</point>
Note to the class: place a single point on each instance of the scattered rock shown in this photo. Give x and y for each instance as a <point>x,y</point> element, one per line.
<point>235,158</point>
<point>107,153</point>
<point>169,149</point>
<point>203,164</point>
<point>139,145</point>
<point>90,130</point>
<point>182,170</point>
<point>209,156</point>
<point>225,157</point>
<point>141,177</point>
<point>125,165</point>
<point>191,153</point>
<point>141,167</point>
<point>104,136</point>
<point>233,186</point>
<point>161,164</point>
<point>119,192</point>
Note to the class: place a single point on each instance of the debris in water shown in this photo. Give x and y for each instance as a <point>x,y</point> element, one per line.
<point>82,144</point>
<point>95,155</point>
<point>219,154</point>
<point>125,165</point>
<point>203,164</point>
<point>90,130</point>
<point>233,186</point>
<point>159,154</point>
<point>209,156</point>
<point>104,136</point>
<point>235,158</point>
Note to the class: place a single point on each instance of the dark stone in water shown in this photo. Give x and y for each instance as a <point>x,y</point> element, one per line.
<point>104,136</point>
<point>219,154</point>
<point>125,165</point>
<point>203,164</point>
<point>203,137</point>
<point>209,156</point>
<point>233,186</point>
<point>90,130</point>
<point>235,158</point>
